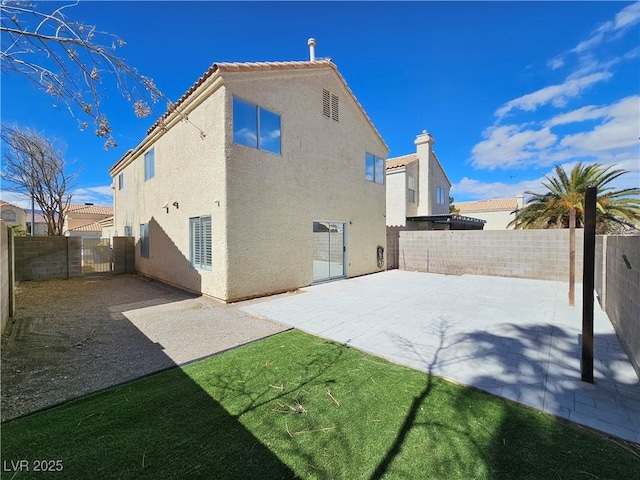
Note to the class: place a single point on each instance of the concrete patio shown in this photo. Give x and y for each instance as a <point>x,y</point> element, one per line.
<point>514,338</point>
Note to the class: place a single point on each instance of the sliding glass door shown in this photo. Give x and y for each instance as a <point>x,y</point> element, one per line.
<point>328,250</point>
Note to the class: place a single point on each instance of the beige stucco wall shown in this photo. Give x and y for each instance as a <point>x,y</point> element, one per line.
<point>396,179</point>
<point>437,178</point>
<point>430,177</point>
<point>189,170</point>
<point>496,220</point>
<point>75,219</point>
<point>412,170</point>
<point>320,176</point>
<point>262,228</point>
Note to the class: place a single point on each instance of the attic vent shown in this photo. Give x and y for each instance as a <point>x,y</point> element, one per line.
<point>329,105</point>
<point>334,107</point>
<point>326,105</point>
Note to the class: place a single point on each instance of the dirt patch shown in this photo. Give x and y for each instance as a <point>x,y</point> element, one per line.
<point>76,336</point>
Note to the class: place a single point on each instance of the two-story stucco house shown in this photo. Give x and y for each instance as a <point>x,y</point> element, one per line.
<point>85,220</point>
<point>13,215</point>
<point>497,213</point>
<point>418,192</point>
<point>276,181</point>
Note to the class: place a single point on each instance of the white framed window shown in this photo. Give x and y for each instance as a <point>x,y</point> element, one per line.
<point>255,127</point>
<point>330,105</point>
<point>149,165</point>
<point>128,231</point>
<point>411,190</point>
<point>121,181</point>
<point>200,241</point>
<point>374,169</point>
<point>440,193</point>
<point>144,240</point>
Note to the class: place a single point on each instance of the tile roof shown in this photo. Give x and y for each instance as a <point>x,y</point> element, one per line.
<point>487,205</point>
<point>37,217</point>
<point>91,209</point>
<point>239,67</point>
<point>7,204</point>
<point>402,161</point>
<point>223,67</point>
<point>94,227</point>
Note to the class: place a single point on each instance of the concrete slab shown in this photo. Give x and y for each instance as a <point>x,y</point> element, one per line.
<point>515,338</point>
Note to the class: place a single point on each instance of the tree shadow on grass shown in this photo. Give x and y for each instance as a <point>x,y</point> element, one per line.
<point>506,441</point>
<point>431,430</point>
<point>540,368</point>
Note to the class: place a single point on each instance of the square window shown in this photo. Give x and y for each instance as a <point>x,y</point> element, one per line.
<point>255,127</point>
<point>374,170</point>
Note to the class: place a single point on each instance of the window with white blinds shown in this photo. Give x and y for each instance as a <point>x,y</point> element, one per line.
<point>200,233</point>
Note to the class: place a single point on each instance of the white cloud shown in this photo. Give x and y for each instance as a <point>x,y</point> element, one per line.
<point>610,30</point>
<point>582,114</point>
<point>625,18</point>
<point>518,146</point>
<point>17,199</point>
<point>511,146</point>
<point>101,195</point>
<point>472,189</point>
<point>619,130</point>
<point>557,95</point>
<point>556,63</point>
<point>587,44</point>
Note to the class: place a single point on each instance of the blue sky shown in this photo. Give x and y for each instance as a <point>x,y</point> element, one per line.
<point>507,89</point>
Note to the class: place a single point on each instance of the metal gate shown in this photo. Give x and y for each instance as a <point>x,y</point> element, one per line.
<point>96,256</point>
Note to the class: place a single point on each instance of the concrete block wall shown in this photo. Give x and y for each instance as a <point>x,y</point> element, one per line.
<point>7,292</point>
<point>392,247</point>
<point>124,255</point>
<point>622,292</point>
<point>536,254</point>
<point>39,258</point>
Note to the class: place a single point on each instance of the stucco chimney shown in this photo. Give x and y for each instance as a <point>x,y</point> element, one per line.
<point>424,144</point>
<point>312,49</point>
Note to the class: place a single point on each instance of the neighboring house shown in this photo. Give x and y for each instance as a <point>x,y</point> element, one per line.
<point>13,216</point>
<point>41,228</point>
<point>418,192</point>
<point>496,213</point>
<point>107,228</point>
<point>276,181</point>
<point>83,220</point>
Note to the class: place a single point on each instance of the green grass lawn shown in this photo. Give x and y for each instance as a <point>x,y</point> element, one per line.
<point>295,406</point>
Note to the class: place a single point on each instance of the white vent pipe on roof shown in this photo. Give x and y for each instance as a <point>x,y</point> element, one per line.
<point>312,49</point>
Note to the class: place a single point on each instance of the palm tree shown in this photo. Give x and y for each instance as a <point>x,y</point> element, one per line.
<point>615,209</point>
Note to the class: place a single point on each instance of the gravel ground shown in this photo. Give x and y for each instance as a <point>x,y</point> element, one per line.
<point>76,336</point>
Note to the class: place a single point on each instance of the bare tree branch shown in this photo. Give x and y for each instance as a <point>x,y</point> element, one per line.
<point>34,166</point>
<point>69,60</point>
